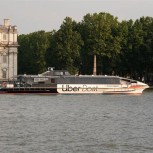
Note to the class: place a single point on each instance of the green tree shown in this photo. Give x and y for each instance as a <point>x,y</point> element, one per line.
<point>24,54</point>
<point>32,52</point>
<point>65,47</point>
<point>146,48</point>
<point>136,53</point>
<point>100,36</point>
<point>124,61</point>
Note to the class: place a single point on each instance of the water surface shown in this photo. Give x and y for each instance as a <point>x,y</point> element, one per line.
<point>76,123</point>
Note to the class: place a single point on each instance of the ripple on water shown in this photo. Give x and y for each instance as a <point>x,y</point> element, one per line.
<point>76,123</point>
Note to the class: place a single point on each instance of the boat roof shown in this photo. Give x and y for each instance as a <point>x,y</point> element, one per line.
<point>51,73</point>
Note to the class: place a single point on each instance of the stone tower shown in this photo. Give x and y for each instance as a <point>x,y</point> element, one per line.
<point>8,51</point>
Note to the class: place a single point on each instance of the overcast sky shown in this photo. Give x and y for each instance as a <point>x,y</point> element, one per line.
<point>34,15</point>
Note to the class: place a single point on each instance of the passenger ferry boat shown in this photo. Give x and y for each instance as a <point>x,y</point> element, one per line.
<point>60,81</point>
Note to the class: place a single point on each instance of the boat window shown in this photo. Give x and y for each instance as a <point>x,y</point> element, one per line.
<point>66,73</point>
<point>133,81</point>
<point>52,80</point>
<point>41,82</point>
<point>126,80</point>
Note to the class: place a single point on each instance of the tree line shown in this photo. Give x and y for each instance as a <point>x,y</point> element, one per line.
<point>123,48</point>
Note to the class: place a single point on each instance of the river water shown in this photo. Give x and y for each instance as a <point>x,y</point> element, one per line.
<point>76,123</point>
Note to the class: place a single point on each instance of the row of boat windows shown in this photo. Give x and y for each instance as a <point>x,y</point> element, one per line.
<point>70,80</point>
<point>56,73</point>
<point>74,80</point>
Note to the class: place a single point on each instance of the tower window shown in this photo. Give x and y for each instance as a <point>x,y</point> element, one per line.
<point>4,74</point>
<point>4,59</point>
<point>4,36</point>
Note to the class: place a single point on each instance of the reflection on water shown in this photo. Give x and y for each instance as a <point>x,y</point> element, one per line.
<point>76,123</point>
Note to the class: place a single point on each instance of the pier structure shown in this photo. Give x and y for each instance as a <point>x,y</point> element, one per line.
<point>8,51</point>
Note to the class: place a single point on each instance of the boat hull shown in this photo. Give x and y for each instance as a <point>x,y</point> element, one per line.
<point>75,89</point>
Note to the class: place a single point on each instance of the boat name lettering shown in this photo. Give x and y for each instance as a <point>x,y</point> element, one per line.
<point>40,79</point>
<point>83,88</point>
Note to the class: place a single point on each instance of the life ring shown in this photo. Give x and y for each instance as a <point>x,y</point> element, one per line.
<point>4,84</point>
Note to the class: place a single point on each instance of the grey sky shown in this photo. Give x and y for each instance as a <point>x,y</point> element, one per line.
<point>34,15</point>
